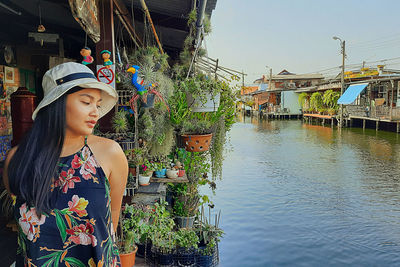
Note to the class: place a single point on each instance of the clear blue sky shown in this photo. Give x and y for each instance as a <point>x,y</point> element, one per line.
<point>297,34</point>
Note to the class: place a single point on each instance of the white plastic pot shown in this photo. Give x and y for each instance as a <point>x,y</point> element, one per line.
<point>172,173</point>
<point>208,104</point>
<point>144,180</point>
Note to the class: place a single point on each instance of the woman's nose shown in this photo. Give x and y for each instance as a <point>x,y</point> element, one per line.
<point>95,111</point>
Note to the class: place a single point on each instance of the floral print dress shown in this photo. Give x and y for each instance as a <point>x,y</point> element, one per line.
<point>78,231</point>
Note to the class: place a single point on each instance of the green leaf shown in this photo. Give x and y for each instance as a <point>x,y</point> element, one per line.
<point>74,261</point>
<point>51,255</point>
<point>61,226</point>
<point>57,260</point>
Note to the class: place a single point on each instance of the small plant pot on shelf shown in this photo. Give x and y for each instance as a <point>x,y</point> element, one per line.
<point>128,259</point>
<point>185,257</point>
<point>144,179</point>
<point>160,173</point>
<point>181,173</point>
<point>184,222</point>
<point>197,142</point>
<point>173,174</point>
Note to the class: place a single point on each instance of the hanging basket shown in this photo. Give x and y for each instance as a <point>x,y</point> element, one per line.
<point>197,142</point>
<point>208,104</point>
<point>150,101</point>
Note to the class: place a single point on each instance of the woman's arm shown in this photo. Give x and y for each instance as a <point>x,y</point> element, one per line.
<point>117,178</point>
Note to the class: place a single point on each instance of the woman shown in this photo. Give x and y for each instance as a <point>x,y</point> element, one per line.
<point>68,183</point>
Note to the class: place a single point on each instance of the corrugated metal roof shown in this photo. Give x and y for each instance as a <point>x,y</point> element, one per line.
<point>169,18</point>
<point>173,8</point>
<point>297,76</point>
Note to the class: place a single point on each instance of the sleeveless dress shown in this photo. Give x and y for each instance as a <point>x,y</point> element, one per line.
<point>78,231</point>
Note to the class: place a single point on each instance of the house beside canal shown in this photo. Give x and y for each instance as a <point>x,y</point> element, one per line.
<point>371,96</point>
<point>277,93</point>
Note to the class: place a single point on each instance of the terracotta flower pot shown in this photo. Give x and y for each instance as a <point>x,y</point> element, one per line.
<point>197,142</point>
<point>132,171</point>
<point>181,173</point>
<point>128,259</point>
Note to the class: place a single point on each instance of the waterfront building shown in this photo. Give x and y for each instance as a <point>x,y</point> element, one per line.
<point>277,93</point>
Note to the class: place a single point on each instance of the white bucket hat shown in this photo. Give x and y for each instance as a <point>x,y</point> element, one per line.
<point>59,79</point>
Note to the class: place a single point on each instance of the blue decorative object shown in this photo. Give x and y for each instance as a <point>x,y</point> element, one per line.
<point>160,173</point>
<point>141,89</point>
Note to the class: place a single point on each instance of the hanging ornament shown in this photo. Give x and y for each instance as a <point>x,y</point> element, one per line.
<point>86,54</point>
<point>41,27</point>
<point>105,54</point>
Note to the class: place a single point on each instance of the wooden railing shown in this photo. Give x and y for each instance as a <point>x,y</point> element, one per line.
<point>377,112</point>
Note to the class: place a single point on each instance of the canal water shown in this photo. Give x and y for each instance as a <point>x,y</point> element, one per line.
<point>294,194</point>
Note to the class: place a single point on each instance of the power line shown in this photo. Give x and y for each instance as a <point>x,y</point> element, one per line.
<point>379,39</point>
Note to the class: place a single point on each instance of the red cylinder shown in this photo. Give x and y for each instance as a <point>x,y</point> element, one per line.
<point>23,103</point>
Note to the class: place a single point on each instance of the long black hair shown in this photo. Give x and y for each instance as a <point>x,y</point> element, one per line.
<point>33,168</point>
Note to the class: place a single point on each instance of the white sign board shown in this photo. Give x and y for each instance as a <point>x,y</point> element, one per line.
<point>106,74</point>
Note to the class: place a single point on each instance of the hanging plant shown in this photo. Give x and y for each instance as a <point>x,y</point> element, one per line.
<point>330,99</point>
<point>303,97</point>
<point>217,150</point>
<point>316,101</point>
<point>120,122</point>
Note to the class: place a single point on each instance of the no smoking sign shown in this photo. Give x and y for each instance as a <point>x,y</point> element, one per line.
<point>106,75</point>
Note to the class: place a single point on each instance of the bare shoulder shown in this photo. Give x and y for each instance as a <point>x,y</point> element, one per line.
<point>104,144</point>
<point>108,153</point>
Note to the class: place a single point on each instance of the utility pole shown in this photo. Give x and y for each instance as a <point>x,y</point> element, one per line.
<point>216,69</point>
<point>270,79</point>
<point>342,81</point>
<point>343,47</point>
<point>242,78</point>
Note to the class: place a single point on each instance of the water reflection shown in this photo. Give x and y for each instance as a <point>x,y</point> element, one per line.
<point>309,195</point>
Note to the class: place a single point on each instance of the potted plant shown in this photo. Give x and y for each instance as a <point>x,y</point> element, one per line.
<point>138,220</point>
<point>126,243</point>
<point>187,243</point>
<point>172,173</point>
<point>186,204</point>
<point>162,237</point>
<point>202,93</point>
<point>164,243</point>
<point>316,101</point>
<point>209,236</point>
<point>145,173</point>
<point>180,167</point>
<point>127,250</point>
<point>196,133</point>
<point>159,168</point>
<point>120,124</point>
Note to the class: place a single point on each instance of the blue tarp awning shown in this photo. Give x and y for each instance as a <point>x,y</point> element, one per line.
<point>351,93</point>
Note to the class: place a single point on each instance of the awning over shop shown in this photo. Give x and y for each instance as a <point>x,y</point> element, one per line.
<point>351,93</point>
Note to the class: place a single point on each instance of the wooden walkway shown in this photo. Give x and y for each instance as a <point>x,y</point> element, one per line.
<point>318,116</point>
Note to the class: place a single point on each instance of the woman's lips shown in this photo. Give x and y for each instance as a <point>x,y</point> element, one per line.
<point>91,124</point>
